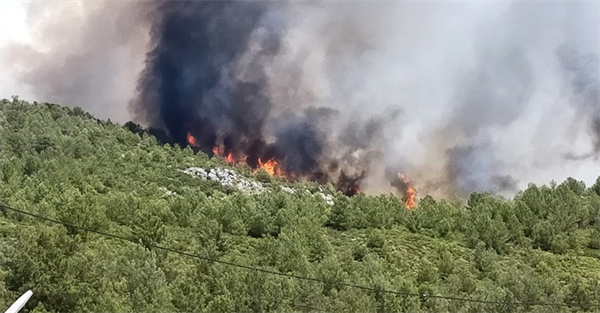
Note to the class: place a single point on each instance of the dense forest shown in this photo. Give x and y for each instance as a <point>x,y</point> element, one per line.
<point>274,251</point>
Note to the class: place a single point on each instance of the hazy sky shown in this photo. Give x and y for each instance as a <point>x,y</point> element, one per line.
<point>13,28</point>
<point>480,84</point>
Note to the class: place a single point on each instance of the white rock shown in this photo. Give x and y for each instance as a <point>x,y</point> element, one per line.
<point>288,189</point>
<point>227,177</point>
<point>328,198</point>
<point>167,191</point>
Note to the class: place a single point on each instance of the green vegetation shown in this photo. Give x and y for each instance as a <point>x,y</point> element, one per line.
<point>543,246</point>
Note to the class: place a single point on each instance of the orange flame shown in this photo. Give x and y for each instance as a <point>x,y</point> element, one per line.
<point>191,140</point>
<point>410,192</point>
<point>409,199</point>
<point>270,166</point>
<point>229,158</point>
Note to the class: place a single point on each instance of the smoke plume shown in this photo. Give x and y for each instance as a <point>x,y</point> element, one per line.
<point>209,75</point>
<point>456,97</point>
<point>581,70</point>
<point>84,54</point>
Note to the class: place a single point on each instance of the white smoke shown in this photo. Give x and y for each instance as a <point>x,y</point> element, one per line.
<point>81,53</point>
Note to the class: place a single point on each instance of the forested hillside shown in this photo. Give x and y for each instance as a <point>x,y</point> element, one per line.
<point>538,252</point>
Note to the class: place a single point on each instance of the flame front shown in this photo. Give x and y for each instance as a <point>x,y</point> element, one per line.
<point>409,199</point>
<point>191,140</point>
<point>274,168</point>
<point>270,166</point>
<point>410,192</point>
<point>229,158</point>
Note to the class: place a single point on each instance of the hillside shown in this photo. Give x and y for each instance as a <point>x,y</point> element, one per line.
<point>538,252</point>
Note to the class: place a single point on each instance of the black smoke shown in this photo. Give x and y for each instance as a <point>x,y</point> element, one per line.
<point>191,82</point>
<point>300,140</point>
<point>188,74</point>
<point>207,75</point>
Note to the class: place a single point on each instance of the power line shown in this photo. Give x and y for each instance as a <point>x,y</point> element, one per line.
<point>191,255</point>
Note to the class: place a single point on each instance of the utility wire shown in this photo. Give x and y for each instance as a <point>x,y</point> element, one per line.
<point>191,255</point>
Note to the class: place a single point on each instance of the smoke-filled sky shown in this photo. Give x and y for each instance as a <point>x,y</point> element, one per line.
<point>460,96</point>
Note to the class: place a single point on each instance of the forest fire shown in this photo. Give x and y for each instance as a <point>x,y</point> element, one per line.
<point>405,186</point>
<point>204,85</point>
<point>409,195</point>
<point>191,140</point>
<point>271,167</point>
<point>229,158</point>
<point>409,199</point>
<point>349,185</point>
